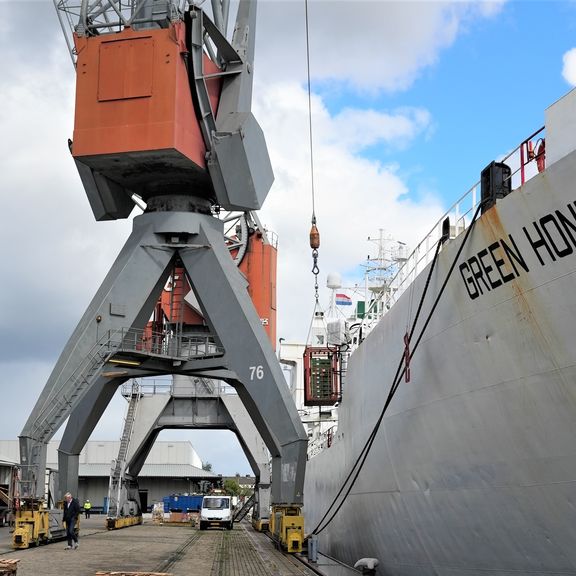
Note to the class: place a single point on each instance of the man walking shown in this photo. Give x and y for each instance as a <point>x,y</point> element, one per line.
<point>87,507</point>
<point>71,512</point>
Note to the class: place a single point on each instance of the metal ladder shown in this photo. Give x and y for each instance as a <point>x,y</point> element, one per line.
<point>57,405</point>
<point>119,465</point>
<point>240,514</point>
<point>5,498</point>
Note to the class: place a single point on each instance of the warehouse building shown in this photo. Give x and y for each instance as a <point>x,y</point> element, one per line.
<point>171,468</point>
<point>7,478</point>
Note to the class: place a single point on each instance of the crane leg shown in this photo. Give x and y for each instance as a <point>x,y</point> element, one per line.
<point>124,304</point>
<point>258,379</point>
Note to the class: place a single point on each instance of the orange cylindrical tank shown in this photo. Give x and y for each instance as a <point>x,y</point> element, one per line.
<point>259,267</point>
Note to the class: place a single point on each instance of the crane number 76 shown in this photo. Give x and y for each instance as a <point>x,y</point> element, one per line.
<point>256,371</point>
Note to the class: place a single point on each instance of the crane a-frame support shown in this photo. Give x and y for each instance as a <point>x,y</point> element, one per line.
<point>189,403</point>
<point>125,300</point>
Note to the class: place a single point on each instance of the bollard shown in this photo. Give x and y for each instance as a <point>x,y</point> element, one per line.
<point>313,548</point>
<point>367,565</point>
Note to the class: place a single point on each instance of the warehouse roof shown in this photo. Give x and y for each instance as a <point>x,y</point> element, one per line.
<point>4,461</point>
<point>148,471</point>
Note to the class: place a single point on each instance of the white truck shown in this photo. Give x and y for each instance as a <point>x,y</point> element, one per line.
<point>216,511</point>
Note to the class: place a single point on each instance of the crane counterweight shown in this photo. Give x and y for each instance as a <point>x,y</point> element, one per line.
<point>135,123</point>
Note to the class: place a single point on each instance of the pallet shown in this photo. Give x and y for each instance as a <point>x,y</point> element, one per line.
<point>8,567</point>
<point>125,522</point>
<point>132,574</point>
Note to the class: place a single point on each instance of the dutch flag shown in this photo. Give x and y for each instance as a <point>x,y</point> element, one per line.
<point>343,300</point>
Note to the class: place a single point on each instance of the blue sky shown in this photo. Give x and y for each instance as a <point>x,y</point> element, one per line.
<point>485,93</point>
<point>410,101</point>
<point>488,92</point>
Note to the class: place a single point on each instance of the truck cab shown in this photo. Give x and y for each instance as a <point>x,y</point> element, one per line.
<point>216,511</point>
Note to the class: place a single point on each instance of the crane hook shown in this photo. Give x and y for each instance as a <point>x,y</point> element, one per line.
<point>314,237</point>
<point>315,244</point>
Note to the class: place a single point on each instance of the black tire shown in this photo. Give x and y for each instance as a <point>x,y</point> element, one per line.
<point>230,525</point>
<point>202,525</point>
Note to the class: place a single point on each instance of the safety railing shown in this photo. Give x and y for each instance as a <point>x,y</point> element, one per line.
<point>526,161</point>
<point>147,387</point>
<point>195,386</point>
<point>164,344</point>
<point>63,396</point>
<point>167,345</point>
<point>322,441</point>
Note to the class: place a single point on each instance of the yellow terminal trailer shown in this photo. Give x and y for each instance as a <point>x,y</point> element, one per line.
<point>287,527</point>
<point>35,524</point>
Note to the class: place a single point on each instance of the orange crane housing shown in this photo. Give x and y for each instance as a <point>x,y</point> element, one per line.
<point>135,115</point>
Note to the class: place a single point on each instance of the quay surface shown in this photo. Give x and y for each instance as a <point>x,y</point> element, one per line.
<point>179,550</point>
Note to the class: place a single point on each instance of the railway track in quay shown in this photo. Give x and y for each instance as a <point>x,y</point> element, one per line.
<point>167,549</point>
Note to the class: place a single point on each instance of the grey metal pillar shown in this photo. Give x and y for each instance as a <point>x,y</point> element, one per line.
<point>80,426</point>
<point>258,379</point>
<point>67,474</point>
<point>125,302</point>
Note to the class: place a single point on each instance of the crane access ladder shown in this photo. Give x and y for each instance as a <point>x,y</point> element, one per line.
<point>247,506</point>
<point>114,345</point>
<point>123,500</point>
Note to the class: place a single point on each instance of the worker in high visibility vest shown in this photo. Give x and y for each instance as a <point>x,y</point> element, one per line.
<point>87,507</point>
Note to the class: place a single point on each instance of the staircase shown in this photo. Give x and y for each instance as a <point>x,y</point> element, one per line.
<point>241,514</point>
<point>57,406</point>
<point>5,498</point>
<point>66,393</point>
<point>119,465</point>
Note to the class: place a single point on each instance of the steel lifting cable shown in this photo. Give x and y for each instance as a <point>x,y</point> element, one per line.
<point>314,234</point>
<point>357,467</point>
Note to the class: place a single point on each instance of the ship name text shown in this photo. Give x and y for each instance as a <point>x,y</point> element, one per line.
<point>549,238</point>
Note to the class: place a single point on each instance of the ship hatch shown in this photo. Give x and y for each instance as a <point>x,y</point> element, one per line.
<point>321,376</point>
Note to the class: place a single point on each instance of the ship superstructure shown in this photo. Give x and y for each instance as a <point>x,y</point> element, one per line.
<point>467,466</point>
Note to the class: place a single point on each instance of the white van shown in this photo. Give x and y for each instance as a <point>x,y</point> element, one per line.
<point>216,511</point>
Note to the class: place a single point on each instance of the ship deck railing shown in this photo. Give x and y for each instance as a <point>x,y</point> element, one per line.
<point>322,441</point>
<point>523,162</point>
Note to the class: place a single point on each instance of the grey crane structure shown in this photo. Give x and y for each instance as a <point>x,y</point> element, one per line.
<point>188,402</point>
<point>106,348</point>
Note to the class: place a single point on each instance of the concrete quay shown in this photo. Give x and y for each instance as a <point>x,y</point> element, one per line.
<point>170,549</point>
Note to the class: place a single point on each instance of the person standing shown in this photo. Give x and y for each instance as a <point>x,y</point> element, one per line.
<point>70,516</point>
<point>87,507</point>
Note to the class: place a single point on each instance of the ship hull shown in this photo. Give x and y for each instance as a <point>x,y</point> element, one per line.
<point>473,469</point>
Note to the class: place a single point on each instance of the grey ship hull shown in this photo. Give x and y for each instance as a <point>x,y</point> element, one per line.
<point>473,471</point>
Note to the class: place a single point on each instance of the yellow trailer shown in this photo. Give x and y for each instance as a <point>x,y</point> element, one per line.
<point>34,524</point>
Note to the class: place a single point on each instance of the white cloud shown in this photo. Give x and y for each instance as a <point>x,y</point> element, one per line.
<point>55,255</point>
<point>354,197</point>
<point>361,129</point>
<point>362,45</point>
<point>569,66</point>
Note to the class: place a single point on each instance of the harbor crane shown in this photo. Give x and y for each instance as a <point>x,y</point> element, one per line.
<point>163,120</point>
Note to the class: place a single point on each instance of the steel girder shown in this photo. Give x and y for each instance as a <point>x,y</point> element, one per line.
<point>126,300</point>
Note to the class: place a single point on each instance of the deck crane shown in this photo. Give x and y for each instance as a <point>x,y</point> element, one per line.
<point>163,118</point>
